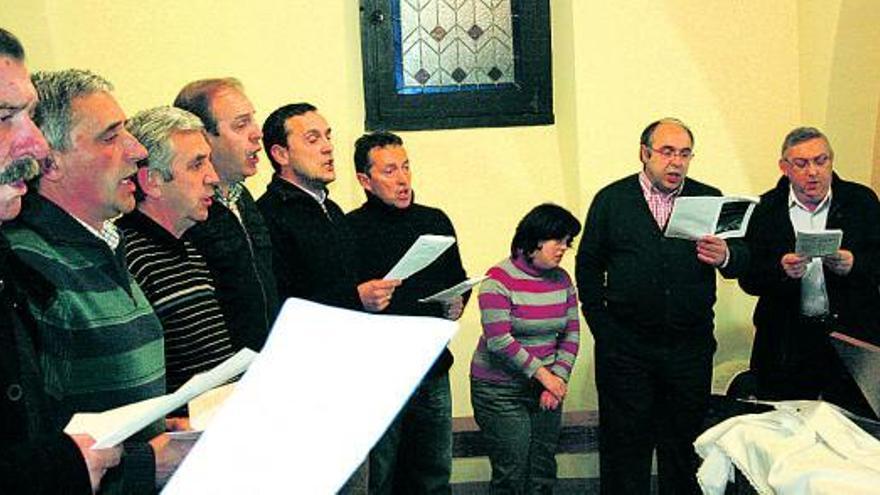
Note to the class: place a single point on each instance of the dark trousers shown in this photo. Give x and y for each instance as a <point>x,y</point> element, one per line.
<point>651,395</point>
<point>521,438</point>
<point>414,456</point>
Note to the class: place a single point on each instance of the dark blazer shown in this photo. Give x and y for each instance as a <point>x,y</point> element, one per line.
<point>314,249</point>
<point>240,260</point>
<point>35,457</point>
<point>854,298</point>
<point>636,284</point>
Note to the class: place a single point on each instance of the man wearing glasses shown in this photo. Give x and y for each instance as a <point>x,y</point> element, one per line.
<point>648,302</point>
<point>801,299</point>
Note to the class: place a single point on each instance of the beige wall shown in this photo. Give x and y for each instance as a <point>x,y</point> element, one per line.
<point>741,73</point>
<point>840,78</point>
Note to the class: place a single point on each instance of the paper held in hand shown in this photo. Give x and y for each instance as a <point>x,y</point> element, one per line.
<point>817,243</point>
<point>112,427</point>
<point>422,253</point>
<point>697,216</point>
<point>454,291</point>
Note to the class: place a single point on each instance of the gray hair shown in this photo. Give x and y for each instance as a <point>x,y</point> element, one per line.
<point>57,90</point>
<point>154,127</point>
<point>803,134</point>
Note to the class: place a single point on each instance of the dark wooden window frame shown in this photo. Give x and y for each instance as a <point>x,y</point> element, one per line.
<point>528,101</point>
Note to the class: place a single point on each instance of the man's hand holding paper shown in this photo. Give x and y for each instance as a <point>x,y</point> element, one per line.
<point>453,308</point>
<point>169,451</point>
<point>840,262</point>
<point>712,250</point>
<point>376,294</point>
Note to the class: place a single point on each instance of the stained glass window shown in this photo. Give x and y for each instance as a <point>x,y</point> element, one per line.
<point>437,64</point>
<point>452,45</point>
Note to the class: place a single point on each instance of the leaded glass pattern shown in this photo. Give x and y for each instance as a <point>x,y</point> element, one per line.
<point>452,45</point>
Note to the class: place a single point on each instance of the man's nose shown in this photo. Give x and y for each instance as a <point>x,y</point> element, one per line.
<point>31,143</point>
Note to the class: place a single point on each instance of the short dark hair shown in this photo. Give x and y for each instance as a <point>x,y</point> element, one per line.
<point>10,46</point>
<point>196,98</point>
<point>274,130</point>
<point>367,142</point>
<point>647,137</point>
<point>802,134</point>
<point>545,222</point>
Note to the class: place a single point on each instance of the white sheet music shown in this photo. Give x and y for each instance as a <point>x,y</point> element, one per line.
<point>454,291</point>
<point>697,216</point>
<point>323,390</point>
<point>422,253</point>
<point>818,243</point>
<point>112,427</point>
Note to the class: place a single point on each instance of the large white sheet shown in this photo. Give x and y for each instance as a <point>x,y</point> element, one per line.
<point>804,447</point>
<point>317,398</point>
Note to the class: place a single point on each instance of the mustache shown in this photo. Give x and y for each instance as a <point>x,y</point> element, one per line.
<point>25,169</point>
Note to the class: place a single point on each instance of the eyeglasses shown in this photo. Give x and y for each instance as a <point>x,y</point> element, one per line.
<point>820,161</point>
<point>669,152</point>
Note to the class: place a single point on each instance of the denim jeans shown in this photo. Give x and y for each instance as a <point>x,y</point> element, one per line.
<point>521,438</point>
<point>414,456</point>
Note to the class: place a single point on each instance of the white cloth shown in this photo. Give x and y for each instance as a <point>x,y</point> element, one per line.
<point>804,447</point>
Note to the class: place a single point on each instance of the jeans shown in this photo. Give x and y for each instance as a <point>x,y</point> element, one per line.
<point>414,456</point>
<point>521,438</point>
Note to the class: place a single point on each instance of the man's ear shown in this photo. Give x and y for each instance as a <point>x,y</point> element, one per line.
<point>364,179</point>
<point>280,154</point>
<point>783,167</point>
<point>149,182</point>
<point>50,168</point>
<point>644,153</point>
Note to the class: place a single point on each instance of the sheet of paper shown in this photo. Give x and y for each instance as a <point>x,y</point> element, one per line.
<point>203,408</point>
<point>325,387</point>
<point>697,216</point>
<point>422,253</point>
<point>454,291</point>
<point>818,243</point>
<point>112,427</point>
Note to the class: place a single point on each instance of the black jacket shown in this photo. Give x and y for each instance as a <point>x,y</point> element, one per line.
<point>383,234</point>
<point>636,284</point>
<point>34,456</point>
<point>314,249</point>
<point>240,260</point>
<point>854,298</point>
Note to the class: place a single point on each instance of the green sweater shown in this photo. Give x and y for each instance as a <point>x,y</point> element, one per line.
<point>101,343</point>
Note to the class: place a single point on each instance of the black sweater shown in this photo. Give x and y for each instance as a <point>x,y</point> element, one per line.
<point>634,282</point>
<point>314,250</point>
<point>383,234</point>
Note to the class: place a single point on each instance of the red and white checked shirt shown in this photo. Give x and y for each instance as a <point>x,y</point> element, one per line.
<point>659,202</point>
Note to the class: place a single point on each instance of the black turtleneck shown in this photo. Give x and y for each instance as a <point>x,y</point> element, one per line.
<point>383,234</point>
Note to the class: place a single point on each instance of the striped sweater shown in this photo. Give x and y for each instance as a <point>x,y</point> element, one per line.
<point>100,343</point>
<point>177,282</point>
<point>529,320</point>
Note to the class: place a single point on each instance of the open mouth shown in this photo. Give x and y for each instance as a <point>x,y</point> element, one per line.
<point>252,156</point>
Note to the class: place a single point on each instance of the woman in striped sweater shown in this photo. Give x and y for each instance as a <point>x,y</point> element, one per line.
<point>521,366</point>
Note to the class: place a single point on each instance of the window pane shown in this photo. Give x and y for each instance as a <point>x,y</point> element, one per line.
<point>452,45</point>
